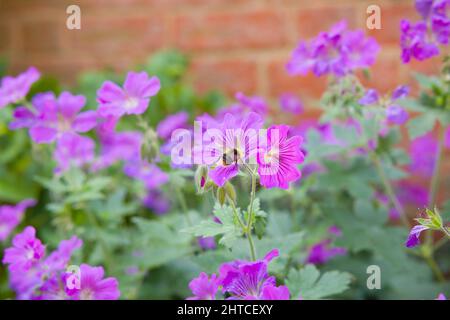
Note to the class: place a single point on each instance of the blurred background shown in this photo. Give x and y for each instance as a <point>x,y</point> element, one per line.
<point>232,45</point>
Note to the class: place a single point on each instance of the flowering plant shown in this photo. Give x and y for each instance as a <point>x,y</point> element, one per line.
<point>141,188</point>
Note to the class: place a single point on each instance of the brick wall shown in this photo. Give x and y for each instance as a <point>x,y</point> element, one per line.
<point>234,44</point>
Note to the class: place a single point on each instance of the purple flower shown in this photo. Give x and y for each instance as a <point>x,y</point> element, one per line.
<point>414,42</point>
<point>133,98</point>
<point>279,160</point>
<point>441,296</point>
<point>275,293</point>
<point>120,146</point>
<point>26,251</point>
<point>10,216</point>
<point>150,174</point>
<point>207,243</point>
<point>370,97</point>
<point>321,252</point>
<point>290,103</point>
<point>14,89</point>
<point>73,150</point>
<point>396,114</point>
<point>246,280</point>
<point>252,104</point>
<point>423,154</point>
<point>93,286</point>
<point>400,92</point>
<point>157,201</point>
<point>334,230</point>
<point>424,7</point>
<point>204,288</point>
<point>413,237</point>
<point>171,123</point>
<point>338,51</point>
<point>234,142</point>
<point>52,117</point>
<point>447,138</point>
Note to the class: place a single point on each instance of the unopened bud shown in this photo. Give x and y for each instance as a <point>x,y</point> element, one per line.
<point>221,195</point>
<point>201,177</point>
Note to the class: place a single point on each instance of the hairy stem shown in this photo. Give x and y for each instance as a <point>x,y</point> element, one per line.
<point>250,217</point>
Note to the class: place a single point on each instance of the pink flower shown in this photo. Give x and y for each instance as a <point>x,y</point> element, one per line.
<point>279,159</point>
<point>52,117</point>
<point>203,287</point>
<point>133,98</point>
<point>93,286</point>
<point>73,150</point>
<point>413,237</point>
<point>14,89</point>
<point>10,216</point>
<point>27,251</point>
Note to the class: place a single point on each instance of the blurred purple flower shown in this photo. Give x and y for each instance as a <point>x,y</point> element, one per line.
<point>203,287</point>
<point>414,42</point>
<point>27,251</point>
<point>10,216</point>
<point>133,98</point>
<point>150,174</point>
<point>396,114</point>
<point>93,286</point>
<point>53,117</point>
<point>157,201</point>
<point>120,146</point>
<point>252,104</point>
<point>370,97</point>
<point>207,243</point>
<point>423,154</point>
<point>338,51</point>
<point>14,89</point>
<point>171,123</point>
<point>73,150</point>
<point>321,252</point>
<point>423,7</point>
<point>400,92</point>
<point>290,103</point>
<point>441,296</point>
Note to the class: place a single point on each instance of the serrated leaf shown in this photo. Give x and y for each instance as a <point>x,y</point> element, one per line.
<point>309,285</point>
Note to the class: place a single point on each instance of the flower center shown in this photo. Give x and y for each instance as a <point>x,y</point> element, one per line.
<point>131,103</point>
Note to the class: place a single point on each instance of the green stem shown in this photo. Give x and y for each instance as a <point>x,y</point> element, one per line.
<point>428,256</point>
<point>248,230</point>
<point>183,206</point>
<point>236,215</point>
<point>389,189</point>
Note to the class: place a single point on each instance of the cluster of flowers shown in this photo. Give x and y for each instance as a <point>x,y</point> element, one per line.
<point>52,119</point>
<point>422,39</point>
<point>33,275</point>
<point>240,280</point>
<point>237,144</point>
<point>338,51</point>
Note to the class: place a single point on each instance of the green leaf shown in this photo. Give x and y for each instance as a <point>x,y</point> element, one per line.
<point>228,229</point>
<point>309,285</point>
<point>421,125</point>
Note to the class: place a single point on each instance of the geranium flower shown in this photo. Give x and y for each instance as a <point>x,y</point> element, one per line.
<point>204,287</point>
<point>150,174</point>
<point>52,117</point>
<point>171,123</point>
<point>73,150</point>
<point>290,103</point>
<point>396,114</point>
<point>413,237</point>
<point>133,98</point>
<point>338,52</point>
<point>279,159</point>
<point>415,43</point>
<point>14,89</point>
<point>93,286</point>
<point>229,145</point>
<point>10,216</point>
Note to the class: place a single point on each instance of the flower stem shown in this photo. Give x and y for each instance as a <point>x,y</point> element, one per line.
<point>389,189</point>
<point>248,230</point>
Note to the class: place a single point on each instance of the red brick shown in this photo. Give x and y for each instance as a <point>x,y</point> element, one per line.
<point>5,37</point>
<point>280,82</point>
<point>114,36</point>
<point>229,76</point>
<point>40,37</point>
<point>311,21</point>
<point>386,74</point>
<point>260,29</point>
<point>390,23</point>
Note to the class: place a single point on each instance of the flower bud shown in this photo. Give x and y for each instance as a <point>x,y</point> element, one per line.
<point>201,177</point>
